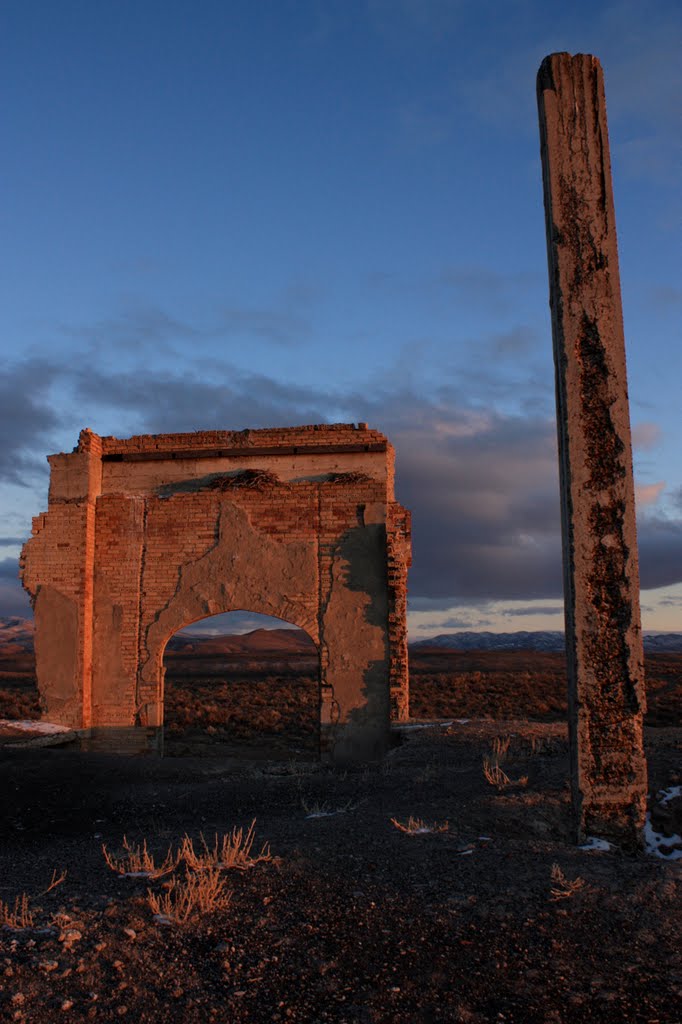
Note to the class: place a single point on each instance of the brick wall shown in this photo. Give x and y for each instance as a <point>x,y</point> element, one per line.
<point>141,541</point>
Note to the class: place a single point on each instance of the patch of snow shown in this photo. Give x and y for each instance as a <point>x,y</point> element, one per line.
<point>485,839</point>
<point>464,853</point>
<point>162,919</point>
<point>655,840</point>
<point>666,795</point>
<point>595,843</point>
<point>322,814</point>
<point>462,721</point>
<point>138,874</point>
<point>28,726</point>
<point>406,726</point>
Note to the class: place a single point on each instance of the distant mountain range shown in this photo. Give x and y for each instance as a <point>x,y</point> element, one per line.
<point>18,633</point>
<point>260,641</point>
<point>543,640</point>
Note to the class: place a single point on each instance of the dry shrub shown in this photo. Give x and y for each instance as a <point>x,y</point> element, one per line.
<point>195,894</point>
<point>415,826</point>
<point>55,881</point>
<point>317,808</point>
<point>563,887</point>
<point>137,860</point>
<point>18,917</point>
<point>501,747</point>
<point>231,851</point>
<point>497,777</point>
<point>19,705</point>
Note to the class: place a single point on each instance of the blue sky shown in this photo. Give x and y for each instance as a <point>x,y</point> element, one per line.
<point>220,215</point>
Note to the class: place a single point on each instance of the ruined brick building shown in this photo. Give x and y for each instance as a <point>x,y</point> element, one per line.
<point>146,535</point>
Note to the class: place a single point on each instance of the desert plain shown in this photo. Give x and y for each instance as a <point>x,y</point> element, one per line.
<point>442,884</point>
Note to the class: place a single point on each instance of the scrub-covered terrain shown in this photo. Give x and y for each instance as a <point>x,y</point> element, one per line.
<point>482,908</point>
<point>442,885</point>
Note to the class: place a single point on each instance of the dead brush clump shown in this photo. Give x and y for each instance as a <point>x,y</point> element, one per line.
<point>19,916</point>
<point>497,777</point>
<point>493,773</point>
<point>546,745</point>
<point>56,880</point>
<point>138,861</point>
<point>233,850</point>
<point>195,894</point>
<point>316,808</point>
<point>500,748</point>
<point>563,888</point>
<point>417,827</point>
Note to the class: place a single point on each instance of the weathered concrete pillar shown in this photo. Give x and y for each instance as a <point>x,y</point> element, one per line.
<point>601,573</point>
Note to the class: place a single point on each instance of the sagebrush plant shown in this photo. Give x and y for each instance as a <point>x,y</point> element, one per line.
<point>495,775</point>
<point>232,850</point>
<point>19,916</point>
<point>55,881</point>
<point>415,826</point>
<point>323,809</point>
<point>315,808</point>
<point>563,887</point>
<point>198,892</point>
<point>137,860</point>
<point>545,745</point>
<point>501,747</point>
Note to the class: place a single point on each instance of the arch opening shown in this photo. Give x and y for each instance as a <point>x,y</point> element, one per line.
<point>241,684</point>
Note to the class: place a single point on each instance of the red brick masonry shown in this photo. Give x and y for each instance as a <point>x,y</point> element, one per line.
<point>148,534</point>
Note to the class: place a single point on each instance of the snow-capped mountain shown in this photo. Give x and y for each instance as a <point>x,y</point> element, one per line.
<point>546,640</point>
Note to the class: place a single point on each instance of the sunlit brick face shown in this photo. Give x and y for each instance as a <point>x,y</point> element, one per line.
<point>147,534</point>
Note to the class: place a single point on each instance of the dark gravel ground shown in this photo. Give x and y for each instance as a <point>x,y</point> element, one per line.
<point>353,920</point>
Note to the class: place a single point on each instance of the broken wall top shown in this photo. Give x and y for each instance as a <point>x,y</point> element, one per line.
<point>146,463</point>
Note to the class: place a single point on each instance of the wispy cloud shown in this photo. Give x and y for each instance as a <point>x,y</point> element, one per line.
<point>13,598</point>
<point>516,341</point>
<point>486,287</point>
<point>638,46</point>
<point>143,326</point>
<point>666,298</point>
<point>149,328</point>
<point>547,609</point>
<point>648,494</point>
<point>277,326</point>
<point>453,622</point>
<point>646,436</point>
<point>28,419</point>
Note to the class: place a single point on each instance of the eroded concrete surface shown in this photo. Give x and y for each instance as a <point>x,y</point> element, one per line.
<point>601,572</point>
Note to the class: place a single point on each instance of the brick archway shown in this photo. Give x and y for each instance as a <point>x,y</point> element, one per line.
<point>146,534</point>
<point>243,683</point>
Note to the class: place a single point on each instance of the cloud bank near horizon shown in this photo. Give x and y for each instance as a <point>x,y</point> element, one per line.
<point>481,479</point>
